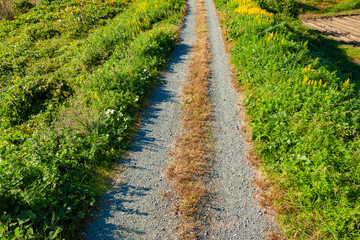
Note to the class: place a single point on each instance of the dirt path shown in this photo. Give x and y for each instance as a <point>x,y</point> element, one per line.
<point>134,208</point>
<point>342,28</point>
<point>237,215</point>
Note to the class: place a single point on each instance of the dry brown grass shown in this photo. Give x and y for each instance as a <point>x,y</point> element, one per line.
<point>192,157</point>
<point>5,9</point>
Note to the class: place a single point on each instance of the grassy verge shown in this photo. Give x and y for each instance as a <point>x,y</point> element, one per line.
<point>192,156</point>
<point>327,6</point>
<point>304,113</point>
<point>72,86</point>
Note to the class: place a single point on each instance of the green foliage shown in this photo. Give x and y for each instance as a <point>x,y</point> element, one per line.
<point>22,6</point>
<point>328,6</point>
<point>285,7</point>
<point>69,104</point>
<point>305,119</point>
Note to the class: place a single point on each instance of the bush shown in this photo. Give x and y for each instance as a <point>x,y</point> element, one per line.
<point>22,6</point>
<point>285,7</point>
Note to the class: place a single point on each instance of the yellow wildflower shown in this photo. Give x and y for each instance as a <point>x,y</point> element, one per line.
<point>271,36</point>
<point>305,79</point>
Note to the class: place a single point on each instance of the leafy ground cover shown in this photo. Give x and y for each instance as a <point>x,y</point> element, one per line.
<point>74,76</point>
<point>304,111</point>
<point>328,6</point>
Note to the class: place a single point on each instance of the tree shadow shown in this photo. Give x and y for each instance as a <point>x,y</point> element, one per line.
<point>305,8</point>
<point>331,53</point>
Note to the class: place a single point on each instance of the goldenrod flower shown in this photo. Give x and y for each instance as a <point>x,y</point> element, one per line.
<point>305,79</point>
<point>271,36</point>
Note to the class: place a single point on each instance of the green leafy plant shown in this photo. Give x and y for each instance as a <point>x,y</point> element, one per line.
<point>71,94</point>
<point>22,6</point>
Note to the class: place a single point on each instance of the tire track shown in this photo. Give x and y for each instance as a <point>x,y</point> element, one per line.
<point>237,215</point>
<point>134,208</point>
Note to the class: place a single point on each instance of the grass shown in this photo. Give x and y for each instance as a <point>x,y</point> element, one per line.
<point>328,6</point>
<point>70,102</point>
<point>303,103</point>
<point>192,157</point>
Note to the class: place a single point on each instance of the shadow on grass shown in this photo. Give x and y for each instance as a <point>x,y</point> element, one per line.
<point>305,8</point>
<point>333,54</point>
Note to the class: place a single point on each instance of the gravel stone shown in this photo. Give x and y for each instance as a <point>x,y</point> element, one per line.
<point>134,208</point>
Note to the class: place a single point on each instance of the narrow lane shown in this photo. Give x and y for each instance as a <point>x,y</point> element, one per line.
<point>237,215</point>
<point>134,208</point>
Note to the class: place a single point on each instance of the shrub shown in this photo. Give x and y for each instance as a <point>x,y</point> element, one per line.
<point>22,6</point>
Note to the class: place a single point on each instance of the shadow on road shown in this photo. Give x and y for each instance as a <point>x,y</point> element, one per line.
<point>122,198</point>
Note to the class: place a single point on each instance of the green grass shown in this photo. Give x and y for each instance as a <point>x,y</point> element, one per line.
<point>352,53</point>
<point>74,78</point>
<point>305,120</point>
<point>328,6</point>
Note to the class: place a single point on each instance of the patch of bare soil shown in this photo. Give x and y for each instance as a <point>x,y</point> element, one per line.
<point>343,28</point>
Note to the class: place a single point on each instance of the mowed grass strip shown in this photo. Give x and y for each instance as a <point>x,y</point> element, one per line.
<point>305,120</point>
<point>54,162</point>
<point>192,157</point>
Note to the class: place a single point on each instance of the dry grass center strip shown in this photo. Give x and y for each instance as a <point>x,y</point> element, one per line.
<point>192,157</point>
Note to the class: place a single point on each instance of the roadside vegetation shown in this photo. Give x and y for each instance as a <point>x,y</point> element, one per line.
<point>305,117</point>
<point>74,76</point>
<point>192,158</point>
<point>327,6</point>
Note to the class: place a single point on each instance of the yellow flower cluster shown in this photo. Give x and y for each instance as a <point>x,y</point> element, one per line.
<point>313,82</point>
<point>250,7</point>
<point>308,69</point>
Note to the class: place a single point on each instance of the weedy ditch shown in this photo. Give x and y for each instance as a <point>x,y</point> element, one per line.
<point>74,76</point>
<point>304,111</point>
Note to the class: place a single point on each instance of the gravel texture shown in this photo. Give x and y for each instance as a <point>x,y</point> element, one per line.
<point>134,207</point>
<point>237,215</point>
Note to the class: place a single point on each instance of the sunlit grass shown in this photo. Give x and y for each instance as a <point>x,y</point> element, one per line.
<point>302,97</point>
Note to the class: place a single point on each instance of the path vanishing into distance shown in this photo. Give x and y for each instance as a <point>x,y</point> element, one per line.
<point>135,207</point>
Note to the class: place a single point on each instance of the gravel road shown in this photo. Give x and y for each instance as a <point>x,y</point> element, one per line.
<point>237,215</point>
<point>134,208</point>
